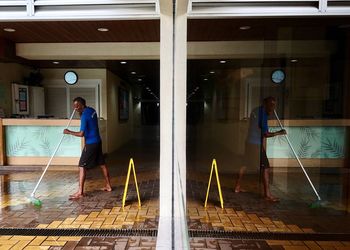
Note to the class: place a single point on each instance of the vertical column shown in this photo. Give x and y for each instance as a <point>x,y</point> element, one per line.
<point>2,144</point>
<point>165,227</point>
<point>180,88</point>
<point>172,229</point>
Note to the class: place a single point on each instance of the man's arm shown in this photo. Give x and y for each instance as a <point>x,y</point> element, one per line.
<point>272,134</point>
<point>70,132</point>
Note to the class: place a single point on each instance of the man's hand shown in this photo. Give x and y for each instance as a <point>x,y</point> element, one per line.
<point>66,132</point>
<point>282,132</point>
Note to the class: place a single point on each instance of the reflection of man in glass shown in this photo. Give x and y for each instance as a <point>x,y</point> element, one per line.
<point>255,152</point>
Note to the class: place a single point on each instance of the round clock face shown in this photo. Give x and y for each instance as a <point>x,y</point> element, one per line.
<point>278,76</point>
<point>71,77</point>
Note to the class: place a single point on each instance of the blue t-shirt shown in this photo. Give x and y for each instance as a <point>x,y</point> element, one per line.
<point>89,124</point>
<point>257,125</point>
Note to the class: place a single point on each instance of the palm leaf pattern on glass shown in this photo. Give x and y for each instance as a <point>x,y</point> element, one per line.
<point>332,148</point>
<point>281,140</point>
<point>310,133</point>
<point>316,154</point>
<point>17,147</point>
<point>45,145</point>
<point>304,148</point>
<point>40,132</point>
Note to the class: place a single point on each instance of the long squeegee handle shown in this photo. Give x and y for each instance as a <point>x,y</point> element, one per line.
<point>297,157</point>
<point>53,154</point>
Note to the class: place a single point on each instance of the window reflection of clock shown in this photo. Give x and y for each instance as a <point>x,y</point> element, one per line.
<point>278,76</point>
<point>71,77</point>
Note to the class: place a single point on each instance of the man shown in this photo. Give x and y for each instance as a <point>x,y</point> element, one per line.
<point>255,151</point>
<point>92,153</point>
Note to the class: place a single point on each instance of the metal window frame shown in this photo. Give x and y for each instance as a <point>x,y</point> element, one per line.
<point>268,8</point>
<point>31,10</point>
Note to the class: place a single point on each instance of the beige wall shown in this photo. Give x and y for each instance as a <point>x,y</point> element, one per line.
<point>113,132</point>
<point>100,74</point>
<point>9,73</point>
<point>118,132</point>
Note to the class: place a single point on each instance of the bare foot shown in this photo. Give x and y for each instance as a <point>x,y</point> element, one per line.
<point>76,196</point>
<point>238,189</point>
<point>107,189</point>
<point>272,199</point>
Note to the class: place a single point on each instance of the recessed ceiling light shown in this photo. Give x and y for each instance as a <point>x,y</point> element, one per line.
<point>55,62</point>
<point>122,62</point>
<point>103,29</point>
<point>9,30</point>
<point>205,79</point>
<point>212,72</point>
<point>133,72</point>
<point>344,26</point>
<point>294,60</point>
<point>222,61</point>
<point>244,27</point>
<point>139,79</point>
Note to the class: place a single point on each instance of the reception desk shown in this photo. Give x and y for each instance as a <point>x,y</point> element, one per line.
<point>32,142</point>
<point>318,143</point>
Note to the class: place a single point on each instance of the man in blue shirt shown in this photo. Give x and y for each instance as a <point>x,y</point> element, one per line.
<point>92,153</point>
<point>255,148</point>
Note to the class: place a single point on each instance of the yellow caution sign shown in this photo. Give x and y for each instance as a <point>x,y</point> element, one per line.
<point>214,166</point>
<point>131,165</point>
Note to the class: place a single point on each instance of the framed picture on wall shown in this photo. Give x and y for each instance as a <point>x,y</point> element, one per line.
<point>123,103</point>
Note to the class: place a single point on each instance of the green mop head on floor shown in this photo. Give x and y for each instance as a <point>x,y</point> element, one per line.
<point>318,204</point>
<point>35,201</point>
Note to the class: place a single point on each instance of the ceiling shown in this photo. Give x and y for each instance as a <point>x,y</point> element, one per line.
<point>81,31</point>
<point>149,31</point>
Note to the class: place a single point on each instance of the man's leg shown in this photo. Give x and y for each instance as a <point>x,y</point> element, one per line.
<point>239,179</point>
<point>108,186</point>
<point>266,182</point>
<point>80,193</point>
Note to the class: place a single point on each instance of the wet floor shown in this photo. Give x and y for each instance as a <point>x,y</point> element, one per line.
<point>242,212</point>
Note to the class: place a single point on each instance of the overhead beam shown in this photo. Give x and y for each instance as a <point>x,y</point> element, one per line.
<point>151,50</point>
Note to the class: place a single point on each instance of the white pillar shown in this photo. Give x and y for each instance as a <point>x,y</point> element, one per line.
<point>172,228</point>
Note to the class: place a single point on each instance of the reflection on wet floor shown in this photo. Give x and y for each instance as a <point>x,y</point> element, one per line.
<point>293,209</point>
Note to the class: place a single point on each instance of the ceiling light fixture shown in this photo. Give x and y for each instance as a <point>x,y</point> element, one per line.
<point>222,61</point>
<point>139,79</point>
<point>244,27</point>
<point>294,60</point>
<point>55,62</point>
<point>122,62</point>
<point>9,30</point>
<point>212,72</point>
<point>103,29</point>
<point>133,72</point>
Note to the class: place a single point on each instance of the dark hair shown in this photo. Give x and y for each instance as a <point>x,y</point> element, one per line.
<point>80,100</point>
<point>269,99</point>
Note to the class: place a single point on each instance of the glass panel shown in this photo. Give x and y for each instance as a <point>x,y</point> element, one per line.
<point>248,69</point>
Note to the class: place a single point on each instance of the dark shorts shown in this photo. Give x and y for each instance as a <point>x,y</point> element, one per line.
<point>92,156</point>
<point>255,156</point>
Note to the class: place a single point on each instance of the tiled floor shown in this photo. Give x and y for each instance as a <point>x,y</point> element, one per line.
<point>242,212</point>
